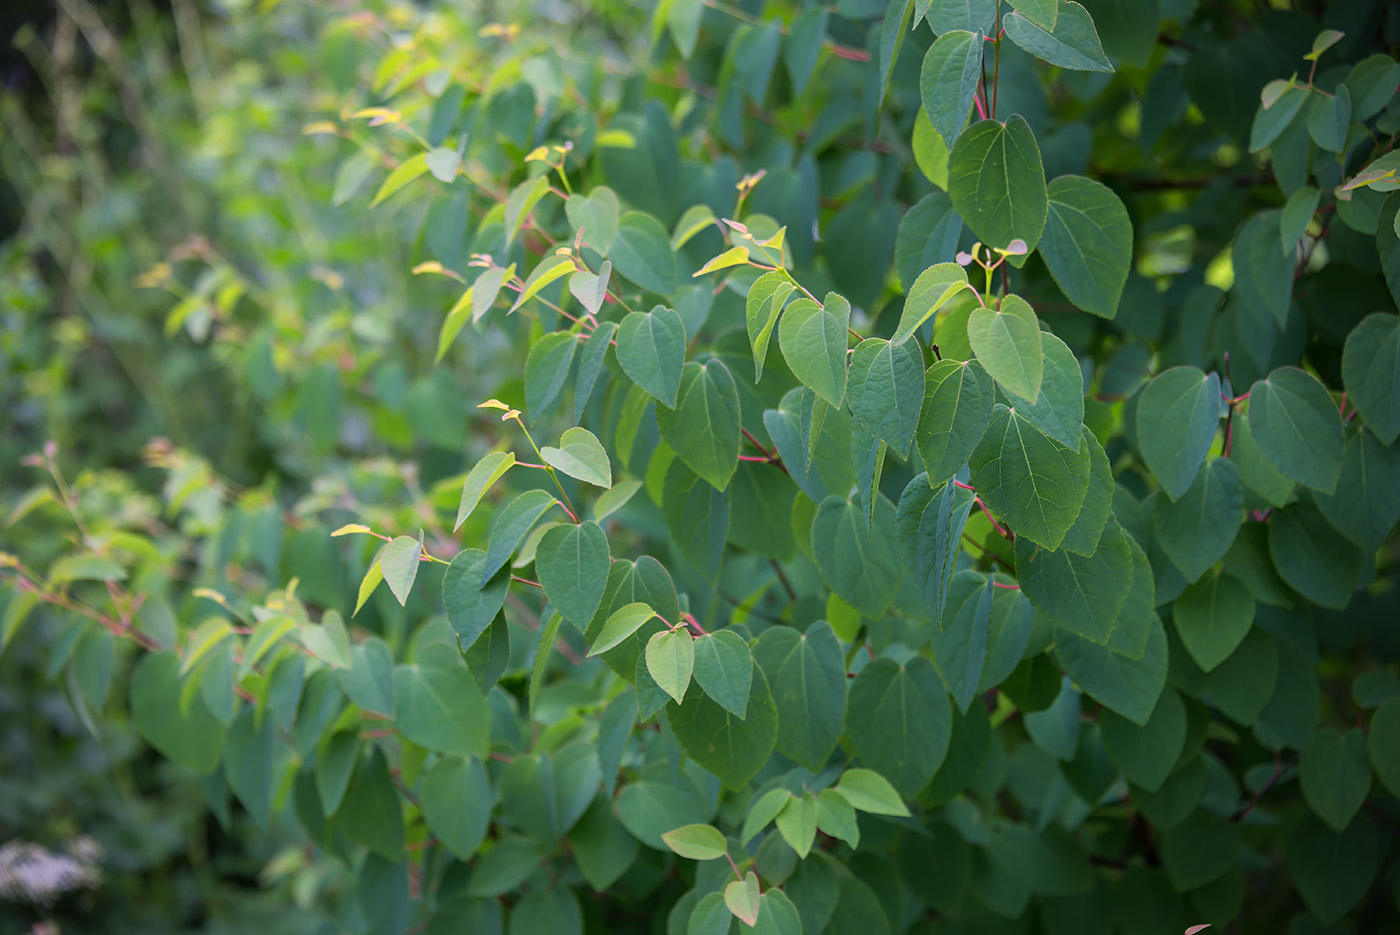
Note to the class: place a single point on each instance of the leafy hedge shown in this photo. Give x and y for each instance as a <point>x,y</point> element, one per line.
<point>925,467</point>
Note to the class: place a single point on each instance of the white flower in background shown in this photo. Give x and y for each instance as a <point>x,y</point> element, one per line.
<point>32,873</point>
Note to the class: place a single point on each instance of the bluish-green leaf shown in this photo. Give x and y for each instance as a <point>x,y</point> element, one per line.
<point>808,679</point>
<point>572,562</point>
<point>951,70</point>
<point>456,802</point>
<point>1314,558</point>
<point>731,748</point>
<point>511,526</point>
<point>698,517</point>
<point>703,424</point>
<point>1371,373</point>
<point>1070,41</point>
<point>813,342</point>
<point>651,349</point>
<point>886,391</point>
<point>1080,593</point>
<point>899,721</point>
<point>997,182</point>
<point>1037,484</point>
<point>1200,527</point>
<point>957,407</point>
<point>1212,618</point>
<point>470,605</point>
<point>1334,774</point>
<point>724,670</point>
<point>1123,684</point>
<point>1147,752</point>
<point>1366,506</point>
<point>440,706</point>
<point>1297,427</point>
<point>1058,410</point>
<point>1088,243</point>
<point>857,561</point>
<point>642,253</point>
<point>1179,412</point>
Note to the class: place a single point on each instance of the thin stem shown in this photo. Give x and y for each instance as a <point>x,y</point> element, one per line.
<point>782,576</point>
<point>1272,781</point>
<point>565,504</point>
<point>996,63</point>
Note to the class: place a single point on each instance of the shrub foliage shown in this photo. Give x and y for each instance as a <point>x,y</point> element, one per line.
<point>891,467</point>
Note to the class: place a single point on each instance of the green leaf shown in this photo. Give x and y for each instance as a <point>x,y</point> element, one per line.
<point>1147,752</point>
<point>764,809</point>
<point>1056,729</point>
<point>1121,683</point>
<point>1242,685</point>
<point>572,565</point>
<point>892,31</point>
<point>335,761</point>
<point>1070,41</point>
<point>948,80</point>
<point>1270,121</point>
<point>1212,617</point>
<point>85,567</point>
<point>870,792</point>
<point>899,722</point>
<point>1258,474</point>
<point>1043,13</point>
<point>813,342</point>
<point>958,400</point>
<point>671,660</point>
<point>960,646</point>
<point>370,679</point>
<point>642,253</point>
<point>937,539</point>
<point>590,364</point>
<point>930,292</point>
<point>1180,411</point>
<point>1334,774</point>
<point>734,256</point>
<point>1297,427</point>
<point>803,46</point>
<point>456,804</point>
<point>1312,557</point>
<point>371,813</point>
<point>856,560</point>
<point>1088,243</point>
<point>766,298</point>
<point>1371,374</point>
<point>886,391</point>
<point>732,749</point>
<point>551,269</point>
<point>440,706</point>
<point>186,734</point>
<point>508,863</point>
<point>651,349</point>
<point>555,911</point>
<point>1297,215</point>
<point>596,216</point>
<point>836,817</point>
<point>1058,410</point>
<point>521,202</point>
<point>1332,870</point>
<point>724,670</point>
<point>1383,742</point>
<point>1083,537</point>
<point>615,498</point>
<point>591,289</point>
<point>1201,849</point>
<point>741,896</point>
<point>581,456</point>
<point>1038,485</point>
<point>702,423</point>
<point>797,823</point>
<point>928,234</point>
<point>511,526</point>
<point>621,624</point>
<point>1329,118</point>
<point>1008,343</point>
<point>1199,528</point>
<point>997,183</point>
<point>327,642</point>
<point>603,849</point>
<point>1080,593</point>
<point>547,370</point>
<point>405,172</point>
<point>399,563</point>
<point>470,605</point>
<point>1366,506</point>
<point>696,842</point>
<point>807,676</point>
<point>248,765</point>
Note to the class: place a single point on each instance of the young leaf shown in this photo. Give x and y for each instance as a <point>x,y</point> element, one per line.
<point>1007,343</point>
<point>930,292</point>
<point>621,624</point>
<point>868,791</point>
<point>399,564</point>
<point>671,660</point>
<point>797,823</point>
<point>696,842</point>
<point>581,456</point>
<point>406,172</point>
<point>741,896</point>
<point>766,298</point>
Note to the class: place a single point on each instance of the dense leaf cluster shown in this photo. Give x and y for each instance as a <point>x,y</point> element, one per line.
<point>934,468</point>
